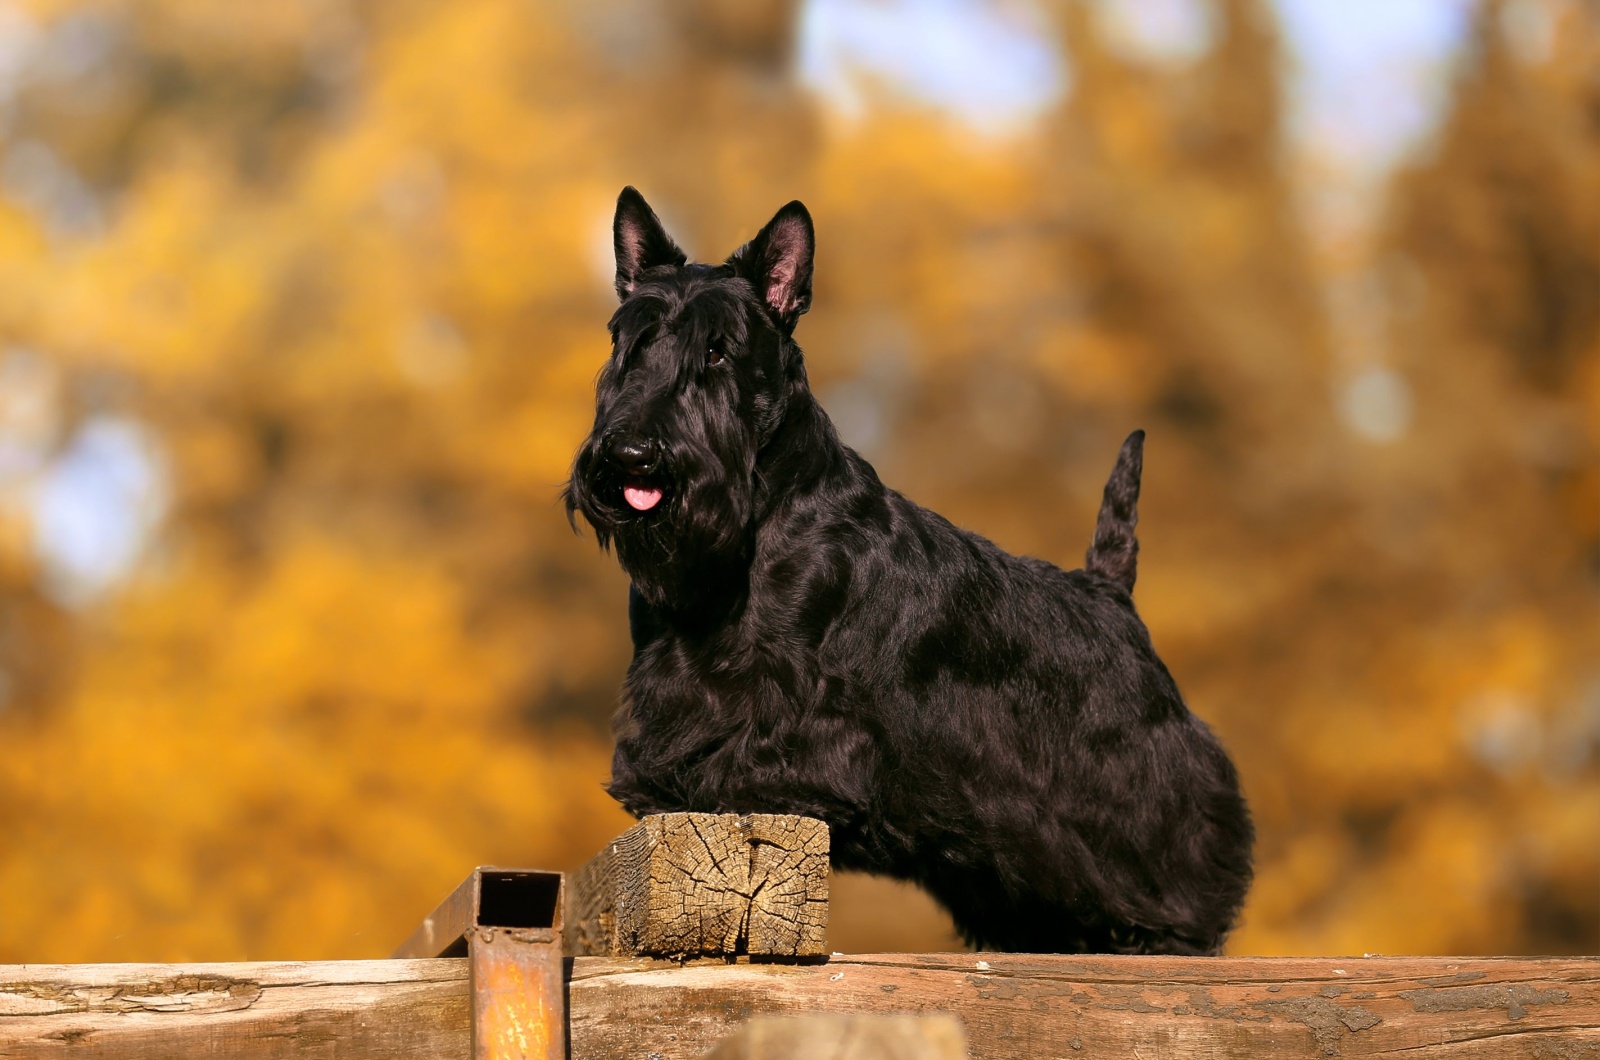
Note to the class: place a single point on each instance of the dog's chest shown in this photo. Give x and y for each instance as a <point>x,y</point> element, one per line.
<point>741,681</point>
<point>741,729</point>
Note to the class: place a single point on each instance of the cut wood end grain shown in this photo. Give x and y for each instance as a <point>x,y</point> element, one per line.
<point>703,884</point>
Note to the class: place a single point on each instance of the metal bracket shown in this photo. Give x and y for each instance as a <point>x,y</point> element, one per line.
<point>507,922</point>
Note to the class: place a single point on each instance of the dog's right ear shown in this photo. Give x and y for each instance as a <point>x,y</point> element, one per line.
<point>640,241</point>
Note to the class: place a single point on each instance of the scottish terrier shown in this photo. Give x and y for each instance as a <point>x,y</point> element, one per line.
<point>808,641</point>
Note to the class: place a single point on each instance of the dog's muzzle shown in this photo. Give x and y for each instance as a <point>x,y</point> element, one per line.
<point>637,459</point>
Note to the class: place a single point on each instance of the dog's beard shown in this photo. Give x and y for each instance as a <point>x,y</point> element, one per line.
<point>684,537</point>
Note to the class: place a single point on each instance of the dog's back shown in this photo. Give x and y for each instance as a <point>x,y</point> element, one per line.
<point>1043,777</point>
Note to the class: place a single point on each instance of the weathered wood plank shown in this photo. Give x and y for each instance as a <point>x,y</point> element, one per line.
<point>356,1010</point>
<point>1026,1007</point>
<point>701,884</point>
<point>835,1037</point>
<point>1014,1006</point>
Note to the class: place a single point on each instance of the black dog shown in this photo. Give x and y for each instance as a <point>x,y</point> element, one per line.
<point>809,641</point>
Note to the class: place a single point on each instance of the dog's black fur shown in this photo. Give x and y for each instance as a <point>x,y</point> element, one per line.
<point>809,641</point>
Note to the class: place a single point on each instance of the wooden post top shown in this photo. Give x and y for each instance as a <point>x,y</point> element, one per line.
<point>705,885</point>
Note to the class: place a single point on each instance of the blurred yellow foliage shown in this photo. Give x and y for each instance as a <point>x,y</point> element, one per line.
<point>347,264</point>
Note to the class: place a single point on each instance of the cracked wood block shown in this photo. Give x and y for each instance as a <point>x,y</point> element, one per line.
<point>845,1037</point>
<point>705,884</point>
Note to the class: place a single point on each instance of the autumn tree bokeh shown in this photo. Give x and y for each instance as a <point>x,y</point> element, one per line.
<point>326,280</point>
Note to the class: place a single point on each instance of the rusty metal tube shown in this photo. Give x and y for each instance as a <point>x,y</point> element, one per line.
<point>507,922</point>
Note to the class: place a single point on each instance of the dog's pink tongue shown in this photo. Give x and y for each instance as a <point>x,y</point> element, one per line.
<point>642,499</point>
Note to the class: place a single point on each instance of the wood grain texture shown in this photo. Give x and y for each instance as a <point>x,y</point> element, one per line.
<point>1013,1006</point>
<point>352,1009</point>
<point>1028,1007</point>
<point>701,884</point>
<point>833,1037</point>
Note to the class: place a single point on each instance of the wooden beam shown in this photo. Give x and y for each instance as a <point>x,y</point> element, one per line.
<point>1026,1007</point>
<point>701,884</point>
<point>858,1037</point>
<point>359,1010</point>
<point>1013,1006</point>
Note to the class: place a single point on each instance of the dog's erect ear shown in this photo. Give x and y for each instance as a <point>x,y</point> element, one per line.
<point>640,241</point>
<point>777,262</point>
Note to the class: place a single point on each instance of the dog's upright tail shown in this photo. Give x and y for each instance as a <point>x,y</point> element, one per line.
<point>1115,551</point>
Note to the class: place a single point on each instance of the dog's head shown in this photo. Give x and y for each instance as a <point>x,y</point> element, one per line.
<point>701,375</point>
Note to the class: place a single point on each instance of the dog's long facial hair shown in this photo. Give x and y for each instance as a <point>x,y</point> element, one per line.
<point>808,641</point>
<point>702,377</point>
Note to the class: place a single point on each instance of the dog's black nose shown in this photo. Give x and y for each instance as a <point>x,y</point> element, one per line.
<point>636,456</point>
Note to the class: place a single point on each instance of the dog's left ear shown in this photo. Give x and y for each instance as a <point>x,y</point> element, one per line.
<point>777,262</point>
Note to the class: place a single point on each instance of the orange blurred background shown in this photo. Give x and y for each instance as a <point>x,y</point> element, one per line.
<point>301,305</point>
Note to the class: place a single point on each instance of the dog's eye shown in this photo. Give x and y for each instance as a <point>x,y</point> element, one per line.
<point>715,351</point>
